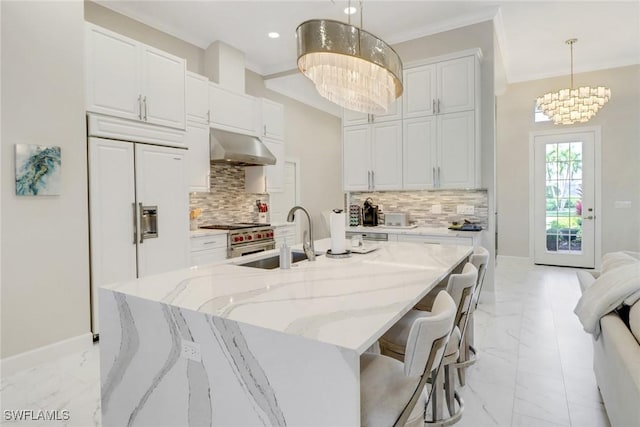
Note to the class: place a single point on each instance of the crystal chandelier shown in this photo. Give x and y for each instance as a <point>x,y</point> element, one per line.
<point>349,66</point>
<point>571,105</point>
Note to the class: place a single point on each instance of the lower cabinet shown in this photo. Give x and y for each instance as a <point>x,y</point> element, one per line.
<point>283,232</point>
<point>208,249</point>
<point>435,240</point>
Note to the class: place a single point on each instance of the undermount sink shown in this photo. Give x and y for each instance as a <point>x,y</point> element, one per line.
<point>273,261</point>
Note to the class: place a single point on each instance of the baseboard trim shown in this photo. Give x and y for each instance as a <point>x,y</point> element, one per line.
<point>31,358</point>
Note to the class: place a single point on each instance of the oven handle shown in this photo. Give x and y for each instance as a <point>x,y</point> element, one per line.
<point>250,249</point>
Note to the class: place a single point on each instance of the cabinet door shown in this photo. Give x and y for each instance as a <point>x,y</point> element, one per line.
<point>354,118</point>
<point>456,150</point>
<point>456,85</point>
<point>197,98</point>
<point>112,213</point>
<point>197,139</point>
<point>272,119</point>
<point>231,111</point>
<point>267,179</point>
<point>394,113</point>
<point>208,257</point>
<point>163,88</point>
<point>161,181</point>
<point>419,91</point>
<point>419,153</point>
<point>356,158</point>
<point>112,74</point>
<point>386,155</point>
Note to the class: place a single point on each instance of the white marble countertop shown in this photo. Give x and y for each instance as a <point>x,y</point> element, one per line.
<point>426,231</point>
<point>346,302</point>
<point>203,232</point>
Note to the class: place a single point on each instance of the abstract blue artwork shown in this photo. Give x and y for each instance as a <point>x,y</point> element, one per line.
<point>37,170</point>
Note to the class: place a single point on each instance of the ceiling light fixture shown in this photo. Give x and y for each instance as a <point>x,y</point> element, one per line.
<point>571,105</point>
<point>349,66</point>
<point>273,35</point>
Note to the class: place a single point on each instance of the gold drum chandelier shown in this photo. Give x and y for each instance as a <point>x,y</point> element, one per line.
<point>568,106</point>
<point>349,66</point>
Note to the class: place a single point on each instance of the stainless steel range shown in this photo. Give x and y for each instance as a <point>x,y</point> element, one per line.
<point>246,238</point>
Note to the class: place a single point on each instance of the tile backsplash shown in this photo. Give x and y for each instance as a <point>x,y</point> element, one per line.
<point>419,205</point>
<point>227,202</point>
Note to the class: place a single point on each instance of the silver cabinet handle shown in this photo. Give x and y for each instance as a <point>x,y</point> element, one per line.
<point>438,106</point>
<point>141,220</point>
<point>434,174</point>
<point>144,100</point>
<point>208,116</point>
<point>368,180</point>
<point>439,176</point>
<point>140,107</point>
<point>373,118</point>
<point>433,106</point>
<point>264,130</point>
<point>265,183</point>
<point>135,224</point>
<point>589,217</point>
<point>373,180</point>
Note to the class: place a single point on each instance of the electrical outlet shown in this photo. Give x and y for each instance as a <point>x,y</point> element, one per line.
<point>466,210</point>
<point>191,351</point>
<point>436,209</point>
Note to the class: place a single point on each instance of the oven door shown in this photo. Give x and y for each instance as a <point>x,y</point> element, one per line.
<point>253,248</point>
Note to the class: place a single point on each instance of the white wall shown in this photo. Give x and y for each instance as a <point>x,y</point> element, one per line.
<point>44,257</point>
<point>620,121</point>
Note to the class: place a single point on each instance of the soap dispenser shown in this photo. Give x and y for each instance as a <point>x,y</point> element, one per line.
<point>285,256</point>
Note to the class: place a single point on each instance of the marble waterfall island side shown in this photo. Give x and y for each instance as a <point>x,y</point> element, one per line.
<point>227,345</point>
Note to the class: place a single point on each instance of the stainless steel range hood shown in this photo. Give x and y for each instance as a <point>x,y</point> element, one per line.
<point>238,149</point>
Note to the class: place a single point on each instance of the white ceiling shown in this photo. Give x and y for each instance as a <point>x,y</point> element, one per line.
<point>531,34</point>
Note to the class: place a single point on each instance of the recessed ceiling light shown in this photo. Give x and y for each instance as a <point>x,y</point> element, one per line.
<point>350,10</point>
<point>274,35</point>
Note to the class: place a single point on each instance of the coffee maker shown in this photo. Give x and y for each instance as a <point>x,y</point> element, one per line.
<point>369,213</point>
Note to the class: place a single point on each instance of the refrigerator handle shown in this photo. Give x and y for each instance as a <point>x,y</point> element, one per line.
<point>135,224</point>
<point>141,222</point>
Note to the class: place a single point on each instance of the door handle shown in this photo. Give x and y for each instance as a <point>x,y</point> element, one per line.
<point>373,178</point>
<point>438,106</point>
<point>264,130</point>
<point>434,174</point>
<point>438,173</point>
<point>368,180</point>
<point>208,116</point>
<point>433,106</point>
<point>135,224</point>
<point>140,107</point>
<point>589,217</point>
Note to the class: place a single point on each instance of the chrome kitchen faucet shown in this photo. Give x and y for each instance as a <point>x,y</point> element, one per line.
<point>306,245</point>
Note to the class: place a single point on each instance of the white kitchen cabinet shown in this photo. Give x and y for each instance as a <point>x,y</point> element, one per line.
<point>197,98</point>
<point>440,152</point>
<point>285,232</point>
<point>199,166</point>
<point>131,80</point>
<point>436,240</point>
<point>233,111</point>
<point>440,88</point>
<point>372,157</point>
<point>267,179</point>
<point>208,249</point>
<point>272,120</point>
<point>354,118</point>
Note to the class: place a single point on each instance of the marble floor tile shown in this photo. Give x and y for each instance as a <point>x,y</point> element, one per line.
<point>534,366</point>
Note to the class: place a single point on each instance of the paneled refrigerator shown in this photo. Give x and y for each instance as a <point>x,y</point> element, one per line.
<point>138,202</point>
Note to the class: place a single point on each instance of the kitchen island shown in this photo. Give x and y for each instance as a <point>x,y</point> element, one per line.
<point>229,345</point>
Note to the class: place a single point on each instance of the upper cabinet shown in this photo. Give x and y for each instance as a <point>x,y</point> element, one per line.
<point>440,88</point>
<point>269,179</point>
<point>197,98</point>
<point>131,80</point>
<point>354,118</point>
<point>233,111</point>
<point>272,119</point>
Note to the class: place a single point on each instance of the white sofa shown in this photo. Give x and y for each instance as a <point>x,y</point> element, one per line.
<point>616,355</point>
